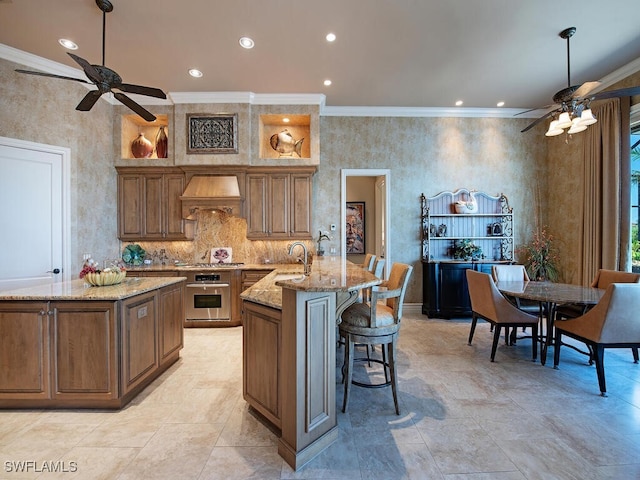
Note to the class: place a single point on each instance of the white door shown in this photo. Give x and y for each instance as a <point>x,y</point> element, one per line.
<point>32,213</point>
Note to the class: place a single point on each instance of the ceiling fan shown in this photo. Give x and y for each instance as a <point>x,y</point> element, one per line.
<point>106,79</point>
<point>574,100</point>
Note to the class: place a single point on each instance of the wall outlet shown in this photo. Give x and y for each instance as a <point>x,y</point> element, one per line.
<point>333,227</point>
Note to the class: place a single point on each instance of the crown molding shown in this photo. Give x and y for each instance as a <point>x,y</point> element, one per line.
<point>426,112</point>
<point>39,63</point>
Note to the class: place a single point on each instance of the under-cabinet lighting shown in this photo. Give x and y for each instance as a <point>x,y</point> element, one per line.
<point>459,103</point>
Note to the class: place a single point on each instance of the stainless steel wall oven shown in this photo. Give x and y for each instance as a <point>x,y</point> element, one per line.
<point>207,298</point>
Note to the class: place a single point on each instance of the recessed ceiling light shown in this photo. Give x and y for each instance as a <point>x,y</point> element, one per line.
<point>246,42</point>
<point>327,82</point>
<point>500,104</point>
<point>459,102</point>
<point>194,72</point>
<point>68,44</point>
<point>331,37</point>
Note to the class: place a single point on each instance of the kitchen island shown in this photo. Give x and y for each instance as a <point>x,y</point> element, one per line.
<point>71,345</point>
<point>289,351</point>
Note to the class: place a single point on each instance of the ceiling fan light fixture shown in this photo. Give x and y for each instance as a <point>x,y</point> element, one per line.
<point>576,126</point>
<point>587,117</point>
<point>554,129</point>
<point>564,121</point>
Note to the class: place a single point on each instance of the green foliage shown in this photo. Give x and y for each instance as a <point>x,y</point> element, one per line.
<point>466,250</point>
<point>635,244</point>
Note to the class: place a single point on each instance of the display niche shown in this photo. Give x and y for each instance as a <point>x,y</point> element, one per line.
<point>145,140</point>
<point>285,136</point>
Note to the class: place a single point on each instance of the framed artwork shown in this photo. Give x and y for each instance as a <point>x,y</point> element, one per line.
<point>355,228</point>
<point>212,133</point>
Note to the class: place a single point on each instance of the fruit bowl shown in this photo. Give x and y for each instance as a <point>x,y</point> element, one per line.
<point>105,277</point>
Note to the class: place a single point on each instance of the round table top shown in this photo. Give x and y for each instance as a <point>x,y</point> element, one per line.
<point>558,293</point>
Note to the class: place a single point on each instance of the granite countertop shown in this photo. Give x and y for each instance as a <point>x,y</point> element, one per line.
<point>80,290</point>
<point>188,268</point>
<point>328,274</point>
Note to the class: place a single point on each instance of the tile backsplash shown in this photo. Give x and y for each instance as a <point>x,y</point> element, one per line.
<point>218,229</point>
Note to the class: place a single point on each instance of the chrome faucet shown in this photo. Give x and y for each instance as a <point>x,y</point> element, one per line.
<point>305,260</point>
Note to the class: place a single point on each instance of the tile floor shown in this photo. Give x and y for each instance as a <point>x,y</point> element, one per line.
<point>462,418</point>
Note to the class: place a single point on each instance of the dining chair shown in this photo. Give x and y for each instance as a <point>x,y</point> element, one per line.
<point>376,323</point>
<point>602,280</point>
<point>515,273</point>
<point>611,323</point>
<point>489,304</point>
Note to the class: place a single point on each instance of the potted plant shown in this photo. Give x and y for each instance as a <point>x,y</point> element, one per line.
<point>465,249</point>
<point>540,256</point>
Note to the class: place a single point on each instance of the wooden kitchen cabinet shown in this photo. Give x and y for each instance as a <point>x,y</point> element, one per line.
<point>24,356</point>
<point>149,206</point>
<point>87,354</point>
<point>170,321</point>
<point>278,204</point>
<point>261,334</point>
<point>85,362</point>
<point>139,340</point>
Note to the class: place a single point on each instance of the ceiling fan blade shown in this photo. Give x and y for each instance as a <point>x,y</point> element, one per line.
<point>623,92</point>
<point>542,118</point>
<point>91,72</point>
<point>148,116</point>
<point>42,74</point>
<point>140,90</point>
<point>584,89</point>
<point>89,100</point>
<point>533,109</point>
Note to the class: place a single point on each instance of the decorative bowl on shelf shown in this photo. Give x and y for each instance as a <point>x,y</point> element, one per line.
<point>105,277</point>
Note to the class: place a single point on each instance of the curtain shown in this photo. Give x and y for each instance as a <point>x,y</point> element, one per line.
<point>606,222</point>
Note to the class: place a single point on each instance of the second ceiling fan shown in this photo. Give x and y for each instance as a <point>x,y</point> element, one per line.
<point>574,101</point>
<point>106,79</point>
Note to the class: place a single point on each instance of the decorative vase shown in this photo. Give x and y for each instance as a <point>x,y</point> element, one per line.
<point>141,147</point>
<point>162,143</point>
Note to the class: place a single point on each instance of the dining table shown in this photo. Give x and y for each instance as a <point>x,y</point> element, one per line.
<point>550,295</point>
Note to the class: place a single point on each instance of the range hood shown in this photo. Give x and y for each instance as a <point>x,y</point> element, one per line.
<point>211,192</point>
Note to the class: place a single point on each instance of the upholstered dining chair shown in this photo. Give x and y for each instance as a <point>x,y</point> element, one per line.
<point>603,279</point>
<point>515,273</point>
<point>376,323</point>
<point>611,323</point>
<point>489,304</point>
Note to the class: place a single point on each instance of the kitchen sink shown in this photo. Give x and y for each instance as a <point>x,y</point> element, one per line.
<point>289,276</point>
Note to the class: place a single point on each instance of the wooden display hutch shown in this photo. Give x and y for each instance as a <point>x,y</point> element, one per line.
<point>490,227</point>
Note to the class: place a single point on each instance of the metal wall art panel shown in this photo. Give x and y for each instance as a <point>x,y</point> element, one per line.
<point>212,133</point>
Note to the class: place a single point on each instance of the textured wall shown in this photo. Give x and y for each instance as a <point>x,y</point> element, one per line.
<point>424,155</point>
<point>429,155</point>
<point>42,110</point>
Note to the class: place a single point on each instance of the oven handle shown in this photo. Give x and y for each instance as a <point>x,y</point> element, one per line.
<point>205,285</point>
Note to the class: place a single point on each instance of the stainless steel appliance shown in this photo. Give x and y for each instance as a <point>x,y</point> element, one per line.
<point>208,298</point>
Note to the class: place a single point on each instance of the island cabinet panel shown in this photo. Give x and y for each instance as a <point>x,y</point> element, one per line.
<point>171,317</point>
<point>139,345</point>
<point>84,350</point>
<point>24,356</point>
<point>261,367</point>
